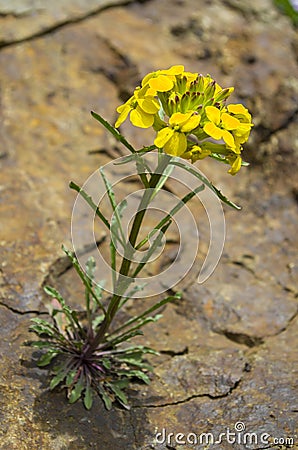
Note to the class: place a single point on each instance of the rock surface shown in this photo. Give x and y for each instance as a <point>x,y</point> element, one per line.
<point>228,349</point>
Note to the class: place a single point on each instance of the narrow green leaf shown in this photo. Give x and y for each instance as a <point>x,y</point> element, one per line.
<point>113,131</point>
<point>148,311</point>
<point>88,397</point>
<point>131,293</point>
<point>129,334</point>
<point>125,336</point>
<point>134,156</point>
<point>135,363</point>
<point>113,254</point>
<point>136,349</point>
<point>189,169</point>
<point>169,216</point>
<point>163,179</point>
<point>90,202</point>
<point>117,226</point>
<point>156,243</point>
<point>83,277</point>
<point>106,363</point>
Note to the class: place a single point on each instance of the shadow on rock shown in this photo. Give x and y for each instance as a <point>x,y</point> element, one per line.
<point>73,427</point>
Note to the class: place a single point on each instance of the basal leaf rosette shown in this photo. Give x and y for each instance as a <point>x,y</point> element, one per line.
<point>188,111</point>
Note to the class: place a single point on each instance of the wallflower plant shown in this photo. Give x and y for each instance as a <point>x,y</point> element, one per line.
<point>88,353</point>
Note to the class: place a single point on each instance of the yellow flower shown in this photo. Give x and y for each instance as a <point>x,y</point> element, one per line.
<point>141,107</point>
<point>162,80</point>
<point>241,134</point>
<point>173,138</point>
<point>220,125</point>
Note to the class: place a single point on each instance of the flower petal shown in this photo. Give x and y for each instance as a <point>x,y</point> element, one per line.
<point>163,136</point>
<point>177,145</point>
<point>174,70</point>
<point>124,111</point>
<point>236,165</point>
<point>191,124</point>
<point>229,122</point>
<point>213,114</point>
<point>237,109</point>
<point>161,83</point>
<point>141,119</point>
<point>179,118</point>
<point>149,104</point>
<point>228,138</point>
<point>212,130</point>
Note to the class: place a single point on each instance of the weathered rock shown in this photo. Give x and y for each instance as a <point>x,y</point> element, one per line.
<point>227,348</point>
<point>22,19</point>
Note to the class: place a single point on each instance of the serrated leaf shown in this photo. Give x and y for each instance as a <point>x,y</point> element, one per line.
<point>46,358</point>
<point>52,292</point>
<point>106,363</point>
<point>85,279</point>
<point>70,377</point>
<point>90,267</point>
<point>43,323</point>
<point>97,321</point>
<point>139,374</point>
<point>121,397</point>
<point>106,398</point>
<point>41,344</point>
<point>40,329</point>
<point>59,377</point>
<point>76,391</point>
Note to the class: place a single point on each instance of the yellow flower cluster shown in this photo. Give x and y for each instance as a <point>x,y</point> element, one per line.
<point>189,114</point>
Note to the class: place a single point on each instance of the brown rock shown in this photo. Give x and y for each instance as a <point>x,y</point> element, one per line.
<point>227,347</point>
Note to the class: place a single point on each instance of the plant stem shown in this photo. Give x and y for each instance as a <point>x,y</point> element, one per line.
<point>130,248</point>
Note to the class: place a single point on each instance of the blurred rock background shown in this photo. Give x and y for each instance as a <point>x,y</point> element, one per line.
<point>229,347</point>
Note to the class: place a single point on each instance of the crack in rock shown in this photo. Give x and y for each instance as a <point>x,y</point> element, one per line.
<point>191,397</point>
<point>173,353</point>
<point>17,311</point>
<point>242,338</point>
<point>57,26</point>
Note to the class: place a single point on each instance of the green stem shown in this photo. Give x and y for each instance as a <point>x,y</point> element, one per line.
<point>126,262</point>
